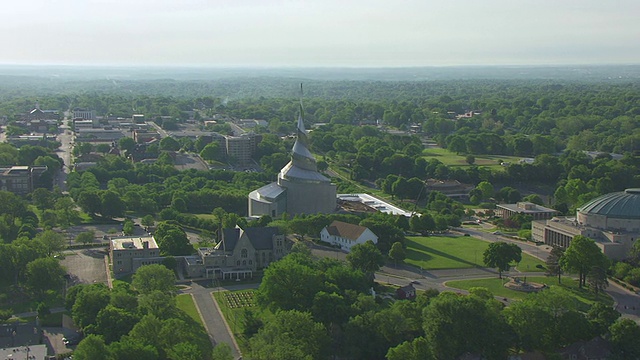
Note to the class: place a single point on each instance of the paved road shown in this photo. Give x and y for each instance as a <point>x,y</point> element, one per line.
<point>627,303</point>
<point>215,325</point>
<point>64,151</point>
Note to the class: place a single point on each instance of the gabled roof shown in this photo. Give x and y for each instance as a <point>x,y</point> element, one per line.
<point>407,289</point>
<point>595,348</point>
<point>345,230</point>
<point>260,237</point>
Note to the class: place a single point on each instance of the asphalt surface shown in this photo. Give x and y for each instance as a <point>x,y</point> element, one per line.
<point>215,324</point>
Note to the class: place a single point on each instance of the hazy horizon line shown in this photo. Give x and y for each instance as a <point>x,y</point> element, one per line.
<point>351,67</point>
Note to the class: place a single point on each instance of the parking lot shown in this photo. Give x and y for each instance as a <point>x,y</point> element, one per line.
<point>86,266</point>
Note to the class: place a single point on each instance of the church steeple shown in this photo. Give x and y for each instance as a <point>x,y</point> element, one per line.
<point>300,154</point>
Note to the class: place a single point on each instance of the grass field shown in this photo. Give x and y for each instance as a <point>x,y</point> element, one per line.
<point>235,317</point>
<point>206,216</point>
<point>445,252</point>
<point>584,297</point>
<point>449,158</point>
<point>185,303</point>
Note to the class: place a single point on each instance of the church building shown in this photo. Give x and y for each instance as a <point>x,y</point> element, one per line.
<point>300,188</point>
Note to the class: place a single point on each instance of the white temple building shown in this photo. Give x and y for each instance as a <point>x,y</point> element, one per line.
<point>300,188</point>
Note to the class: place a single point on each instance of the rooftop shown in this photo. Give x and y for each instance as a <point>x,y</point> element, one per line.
<point>345,230</point>
<point>133,242</point>
<point>527,208</point>
<point>623,204</point>
<point>374,203</point>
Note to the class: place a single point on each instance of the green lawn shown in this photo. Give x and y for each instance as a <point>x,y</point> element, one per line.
<point>185,303</point>
<point>452,159</point>
<point>445,252</point>
<point>584,297</point>
<point>235,316</point>
<point>206,216</point>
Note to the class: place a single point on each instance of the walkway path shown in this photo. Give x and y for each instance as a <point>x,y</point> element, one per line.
<point>215,324</point>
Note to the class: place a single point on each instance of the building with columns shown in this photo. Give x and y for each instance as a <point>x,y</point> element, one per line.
<point>612,220</point>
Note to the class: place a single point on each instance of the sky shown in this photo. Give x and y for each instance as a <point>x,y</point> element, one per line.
<point>319,33</point>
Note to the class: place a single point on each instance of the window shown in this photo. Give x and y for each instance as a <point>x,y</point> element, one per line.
<point>244,262</point>
<point>238,262</point>
<point>243,253</point>
<point>250,262</point>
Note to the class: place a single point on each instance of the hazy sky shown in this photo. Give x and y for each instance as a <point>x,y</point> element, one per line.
<point>352,33</point>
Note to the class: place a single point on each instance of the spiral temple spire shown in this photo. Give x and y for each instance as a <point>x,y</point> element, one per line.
<point>300,154</point>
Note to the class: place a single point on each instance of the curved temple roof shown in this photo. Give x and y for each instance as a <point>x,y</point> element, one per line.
<point>625,204</point>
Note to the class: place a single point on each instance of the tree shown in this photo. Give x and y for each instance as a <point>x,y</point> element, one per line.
<point>44,274</point>
<point>397,252</point>
<point>130,349</point>
<point>402,222</point>
<point>103,148</point>
<point>89,300</point>
<point>597,280</point>
<point>86,237</point>
<point>91,348</point>
<point>111,204</point>
<point>147,221</point>
<point>553,263</point>
<point>222,351</point>
<point>602,317</point>
<point>52,242</point>
<point>174,242</point>
<point>536,320</point>
<point>127,227</point>
<point>470,159</point>
<point>169,143</point>
<point>43,310</point>
<point>581,256</point>
<point>486,189</point>
<point>154,277</point>
<point>501,254</point>
<point>290,335</point>
<point>158,303</point>
<point>127,144</point>
<point>454,325</point>
<point>211,152</point>
<point>624,339</point>
<point>146,331</point>
<point>43,198</point>
<point>113,323</point>
<point>66,211</point>
<point>366,258</point>
<point>90,201</point>
<point>289,284</point>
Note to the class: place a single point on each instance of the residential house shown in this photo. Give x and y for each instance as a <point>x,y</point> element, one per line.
<point>346,235</point>
<point>595,349</point>
<point>406,292</point>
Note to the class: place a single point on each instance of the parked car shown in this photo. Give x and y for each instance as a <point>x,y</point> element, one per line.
<point>72,339</point>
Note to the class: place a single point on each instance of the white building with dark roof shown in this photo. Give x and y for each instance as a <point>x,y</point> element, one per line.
<point>347,235</point>
<point>300,188</point>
